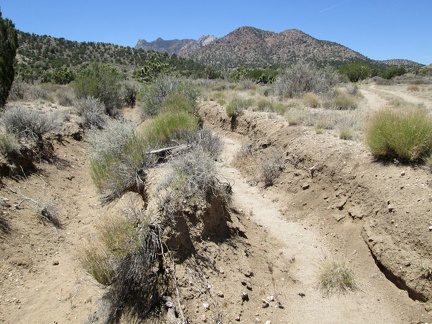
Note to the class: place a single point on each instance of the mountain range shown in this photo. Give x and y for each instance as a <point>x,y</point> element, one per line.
<point>253,47</point>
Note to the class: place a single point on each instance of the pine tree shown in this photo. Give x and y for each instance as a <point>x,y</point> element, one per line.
<point>8,49</point>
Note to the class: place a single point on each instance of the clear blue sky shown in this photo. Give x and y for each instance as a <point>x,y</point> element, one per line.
<point>379,29</point>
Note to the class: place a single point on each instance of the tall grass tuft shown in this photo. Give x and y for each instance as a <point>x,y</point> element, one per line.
<point>403,134</point>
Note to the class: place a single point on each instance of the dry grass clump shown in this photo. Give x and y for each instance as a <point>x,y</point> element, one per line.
<point>413,88</point>
<point>310,99</point>
<point>403,134</point>
<point>344,101</point>
<point>346,133</point>
<point>126,257</point>
<point>336,277</point>
<point>264,104</point>
<point>271,166</point>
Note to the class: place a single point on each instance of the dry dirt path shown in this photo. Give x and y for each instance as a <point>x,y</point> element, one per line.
<point>377,301</point>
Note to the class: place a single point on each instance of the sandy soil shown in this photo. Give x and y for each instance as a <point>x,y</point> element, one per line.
<point>285,232</point>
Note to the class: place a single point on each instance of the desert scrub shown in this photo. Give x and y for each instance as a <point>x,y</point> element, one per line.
<point>402,134</point>
<point>92,112</point>
<point>154,94</point>
<point>344,101</point>
<point>335,277</point>
<point>271,166</point>
<point>9,145</point>
<point>177,102</point>
<point>170,128</point>
<point>236,106</point>
<point>27,123</point>
<point>346,133</point>
<point>413,87</point>
<point>125,256</point>
<point>310,99</point>
<point>118,160</point>
<point>303,77</point>
<point>191,181</point>
<point>100,81</point>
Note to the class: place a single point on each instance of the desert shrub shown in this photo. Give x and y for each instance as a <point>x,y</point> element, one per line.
<point>118,160</point>
<point>344,101</point>
<point>176,102</point>
<point>413,87</point>
<point>263,104</point>
<point>129,93</point>
<point>335,277</point>
<point>192,179</point>
<point>271,166</point>
<point>170,127</point>
<point>65,97</point>
<point>404,134</point>
<point>346,133</point>
<point>325,122</point>
<point>207,140</point>
<point>27,123</point>
<point>392,72</point>
<point>49,211</point>
<point>301,78</point>
<point>9,145</point>
<point>217,95</point>
<point>155,93</point>
<point>92,112</point>
<point>100,81</point>
<point>236,106</point>
<point>310,99</point>
<point>18,90</point>
<point>38,91</point>
<point>356,71</point>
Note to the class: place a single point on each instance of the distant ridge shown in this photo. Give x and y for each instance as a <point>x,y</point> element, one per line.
<point>253,47</point>
<point>174,46</point>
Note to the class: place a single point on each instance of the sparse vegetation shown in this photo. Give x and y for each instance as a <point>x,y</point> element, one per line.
<point>92,112</point>
<point>310,99</point>
<point>303,77</point>
<point>100,81</point>
<point>27,123</point>
<point>335,277</point>
<point>402,134</point>
<point>271,166</point>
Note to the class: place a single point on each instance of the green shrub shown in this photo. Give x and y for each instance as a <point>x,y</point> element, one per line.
<point>169,128</point>
<point>9,145</point>
<point>155,93</point>
<point>236,106</point>
<point>8,49</point>
<point>271,166</point>
<point>356,71</point>
<point>100,81</point>
<point>404,134</point>
<point>176,102</point>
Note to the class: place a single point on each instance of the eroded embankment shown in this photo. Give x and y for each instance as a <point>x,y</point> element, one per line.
<point>338,181</point>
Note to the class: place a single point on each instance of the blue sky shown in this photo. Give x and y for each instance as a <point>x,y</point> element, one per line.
<point>379,29</point>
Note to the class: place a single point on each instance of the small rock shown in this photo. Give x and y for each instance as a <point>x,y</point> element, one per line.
<point>220,294</point>
<point>248,273</point>
<point>206,306</point>
<point>402,173</point>
<point>342,203</point>
<point>55,263</point>
<point>390,208</point>
<point>305,186</point>
<point>270,298</point>
<point>245,297</point>
<point>339,217</point>
<point>301,294</point>
<point>268,322</point>
<point>237,318</point>
<point>265,303</point>
<point>430,228</point>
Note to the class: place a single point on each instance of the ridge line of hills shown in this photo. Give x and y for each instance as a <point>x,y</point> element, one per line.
<point>253,47</point>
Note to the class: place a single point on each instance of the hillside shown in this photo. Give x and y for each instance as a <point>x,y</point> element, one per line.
<point>253,47</point>
<point>38,56</point>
